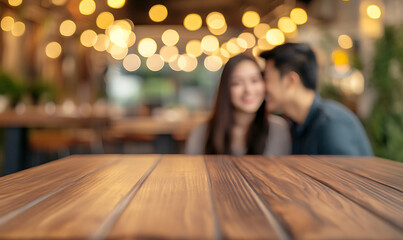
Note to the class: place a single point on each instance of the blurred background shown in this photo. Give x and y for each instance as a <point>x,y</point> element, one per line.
<point>116,76</point>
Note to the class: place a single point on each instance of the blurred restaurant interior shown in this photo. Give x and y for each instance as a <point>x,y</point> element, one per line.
<point>135,76</point>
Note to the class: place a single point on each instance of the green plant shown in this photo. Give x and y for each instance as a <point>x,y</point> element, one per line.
<point>385,124</point>
<point>42,90</point>
<point>11,87</point>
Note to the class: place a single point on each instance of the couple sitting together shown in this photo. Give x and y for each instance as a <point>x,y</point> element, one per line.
<point>242,123</point>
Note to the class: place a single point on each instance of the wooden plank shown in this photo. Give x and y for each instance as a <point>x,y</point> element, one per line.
<point>238,210</point>
<point>22,188</point>
<point>174,202</point>
<point>77,211</point>
<point>385,202</point>
<point>309,209</point>
<point>384,171</point>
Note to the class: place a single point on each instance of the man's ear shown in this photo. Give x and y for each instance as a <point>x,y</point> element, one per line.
<point>294,79</point>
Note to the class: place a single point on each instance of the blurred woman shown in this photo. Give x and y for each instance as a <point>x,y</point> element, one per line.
<point>239,124</point>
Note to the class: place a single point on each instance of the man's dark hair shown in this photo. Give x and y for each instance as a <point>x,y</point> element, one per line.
<point>296,57</point>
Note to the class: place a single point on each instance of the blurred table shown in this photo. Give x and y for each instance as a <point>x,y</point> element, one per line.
<point>204,197</point>
<point>16,130</point>
<point>161,130</point>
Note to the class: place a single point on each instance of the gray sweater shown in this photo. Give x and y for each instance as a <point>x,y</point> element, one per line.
<point>278,140</point>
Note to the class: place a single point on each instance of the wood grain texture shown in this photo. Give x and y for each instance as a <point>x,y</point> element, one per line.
<point>239,213</point>
<point>78,210</point>
<point>376,198</point>
<point>308,208</point>
<point>387,172</point>
<point>22,188</point>
<point>174,202</point>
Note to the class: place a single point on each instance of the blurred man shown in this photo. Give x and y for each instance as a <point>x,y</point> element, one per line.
<point>318,126</point>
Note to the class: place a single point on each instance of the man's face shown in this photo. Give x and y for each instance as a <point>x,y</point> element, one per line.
<point>275,88</point>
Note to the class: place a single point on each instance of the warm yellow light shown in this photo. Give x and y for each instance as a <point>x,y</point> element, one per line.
<point>169,53</point>
<point>218,31</point>
<point>299,16</point>
<point>155,62</point>
<point>286,25</point>
<point>18,29</point>
<point>59,2</point>
<point>87,7</point>
<point>256,51</point>
<point>193,48</point>
<point>187,63</point>
<point>118,53</point>
<point>170,37</point>
<point>14,3</point>
<point>249,38</point>
<point>174,64</point>
<point>104,20</point>
<point>7,23</point>
<point>67,28</point>
<point>339,57</point>
<point>250,19</point>
<point>215,20</point>
<point>131,62</point>
<point>116,3</point>
<point>263,44</point>
<point>373,11</point>
<point>210,43</point>
<point>225,53</point>
<point>132,39</point>
<point>88,38</point>
<point>213,63</point>
<point>119,36</point>
<point>345,41</point>
<point>242,43</point>
<point>261,30</point>
<point>53,50</point>
<point>102,43</point>
<point>147,47</point>
<point>158,13</point>
<point>192,22</point>
<point>275,37</point>
<point>236,41</point>
<point>232,47</point>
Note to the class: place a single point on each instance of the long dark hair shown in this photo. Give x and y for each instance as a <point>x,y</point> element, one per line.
<point>221,122</point>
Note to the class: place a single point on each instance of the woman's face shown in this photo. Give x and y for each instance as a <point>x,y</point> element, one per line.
<point>247,87</point>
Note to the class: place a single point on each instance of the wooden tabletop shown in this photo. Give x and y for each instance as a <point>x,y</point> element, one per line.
<point>204,197</point>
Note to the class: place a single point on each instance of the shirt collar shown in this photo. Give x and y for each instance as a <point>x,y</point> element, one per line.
<point>299,128</point>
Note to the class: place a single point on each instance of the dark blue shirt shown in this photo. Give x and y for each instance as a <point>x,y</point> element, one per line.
<point>330,129</point>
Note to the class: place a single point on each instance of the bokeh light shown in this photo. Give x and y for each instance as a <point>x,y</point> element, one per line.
<point>345,41</point>
<point>67,28</point>
<point>170,37</point>
<point>261,30</point>
<point>53,50</point>
<point>102,43</point>
<point>87,7</point>
<point>169,53</point>
<point>339,57</point>
<point>14,3</point>
<point>250,19</point>
<point>275,37</point>
<point>147,47</point>
<point>116,3</point>
<point>193,48</point>
<point>192,22</point>
<point>249,38</point>
<point>286,25</point>
<point>213,63</point>
<point>131,62</point>
<point>59,2</point>
<point>155,62</point>
<point>7,23</point>
<point>187,63</point>
<point>299,16</point>
<point>210,43</point>
<point>104,20</point>
<point>158,13</point>
<point>88,38</point>
<point>373,11</point>
<point>215,20</point>
<point>18,29</point>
